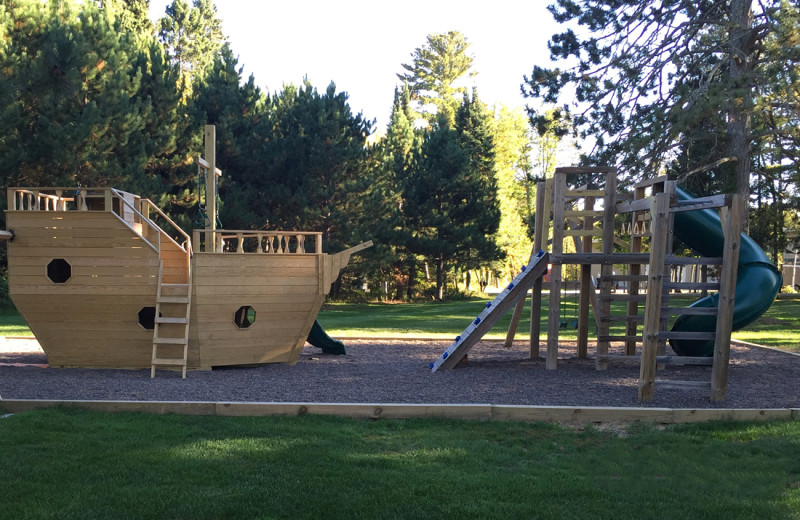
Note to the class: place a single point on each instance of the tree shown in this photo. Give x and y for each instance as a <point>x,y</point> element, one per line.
<point>392,161</point>
<point>479,213</point>
<point>74,113</point>
<point>451,195</point>
<point>512,147</point>
<point>434,72</point>
<point>646,72</point>
<point>193,37</point>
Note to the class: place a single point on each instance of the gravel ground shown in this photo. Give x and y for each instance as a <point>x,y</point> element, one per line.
<point>384,371</point>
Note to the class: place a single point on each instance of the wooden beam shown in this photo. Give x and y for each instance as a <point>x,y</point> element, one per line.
<point>211,181</point>
<point>727,296</point>
<point>652,312</point>
<point>554,307</point>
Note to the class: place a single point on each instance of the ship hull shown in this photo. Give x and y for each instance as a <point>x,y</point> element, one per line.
<point>91,309</point>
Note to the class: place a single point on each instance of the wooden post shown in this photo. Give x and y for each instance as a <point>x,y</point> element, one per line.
<point>727,296</point>
<point>541,230</point>
<point>606,270</point>
<point>632,327</point>
<point>211,184</point>
<point>585,285</point>
<point>554,307</point>
<point>655,281</point>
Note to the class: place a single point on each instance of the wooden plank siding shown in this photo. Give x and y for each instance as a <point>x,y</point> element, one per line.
<point>284,292</point>
<point>91,320</point>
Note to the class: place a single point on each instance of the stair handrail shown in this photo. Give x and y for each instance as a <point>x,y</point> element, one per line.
<point>187,247</point>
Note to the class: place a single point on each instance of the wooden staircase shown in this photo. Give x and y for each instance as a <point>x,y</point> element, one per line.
<point>171,325</point>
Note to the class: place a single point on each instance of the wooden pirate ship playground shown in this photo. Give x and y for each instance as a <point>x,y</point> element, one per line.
<point>105,279</point>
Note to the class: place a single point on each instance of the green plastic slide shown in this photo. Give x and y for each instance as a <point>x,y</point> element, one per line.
<point>320,339</point>
<point>757,282</point>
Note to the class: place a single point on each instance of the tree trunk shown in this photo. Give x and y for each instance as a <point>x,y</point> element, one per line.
<point>412,278</point>
<point>440,278</point>
<point>741,97</point>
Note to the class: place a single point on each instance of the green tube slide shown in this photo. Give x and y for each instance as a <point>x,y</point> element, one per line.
<point>320,339</point>
<point>757,281</point>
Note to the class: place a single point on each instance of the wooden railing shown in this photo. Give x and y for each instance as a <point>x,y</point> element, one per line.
<point>264,242</point>
<point>129,208</point>
<point>145,207</point>
<point>32,199</point>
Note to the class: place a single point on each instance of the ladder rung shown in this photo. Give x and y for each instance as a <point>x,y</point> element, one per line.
<point>619,338</point>
<point>169,361</point>
<point>583,213</point>
<point>700,336</point>
<point>622,317</point>
<point>690,311</point>
<point>584,193</point>
<point>625,278</point>
<point>161,319</point>
<point>176,285</point>
<point>667,360</point>
<point>170,341</point>
<point>583,233</point>
<point>173,299</point>
<point>623,297</point>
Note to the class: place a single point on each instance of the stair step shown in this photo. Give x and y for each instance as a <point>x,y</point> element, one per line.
<point>173,299</point>
<point>161,319</point>
<point>169,361</point>
<point>170,341</point>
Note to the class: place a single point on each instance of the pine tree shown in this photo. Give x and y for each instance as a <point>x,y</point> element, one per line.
<point>383,219</point>
<point>646,72</point>
<point>434,72</point>
<point>451,196</point>
<point>74,105</point>
<point>193,38</point>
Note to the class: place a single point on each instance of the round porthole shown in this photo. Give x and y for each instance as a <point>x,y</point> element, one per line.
<point>244,316</point>
<point>59,270</point>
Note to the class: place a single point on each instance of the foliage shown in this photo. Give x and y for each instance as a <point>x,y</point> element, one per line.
<point>512,171</point>
<point>646,75</point>
<point>434,72</point>
<point>192,36</point>
<point>75,112</point>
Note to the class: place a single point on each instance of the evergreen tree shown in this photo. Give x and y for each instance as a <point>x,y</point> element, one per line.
<point>647,72</point>
<point>393,160</point>
<point>451,197</point>
<point>434,72</point>
<point>236,108</point>
<point>74,107</point>
<point>192,35</point>
<point>134,16</point>
<point>480,213</point>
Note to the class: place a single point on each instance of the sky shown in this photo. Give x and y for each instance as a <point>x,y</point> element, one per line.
<point>361,45</point>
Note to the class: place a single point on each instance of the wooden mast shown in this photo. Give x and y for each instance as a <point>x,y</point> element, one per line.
<point>211,185</point>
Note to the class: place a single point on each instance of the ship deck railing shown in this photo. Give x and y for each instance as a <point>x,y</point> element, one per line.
<point>132,210</point>
<point>248,241</point>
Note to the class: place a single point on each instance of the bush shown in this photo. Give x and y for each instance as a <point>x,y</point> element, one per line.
<point>4,298</point>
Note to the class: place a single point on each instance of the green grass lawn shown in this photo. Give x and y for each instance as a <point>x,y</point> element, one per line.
<point>779,327</point>
<point>79,464</point>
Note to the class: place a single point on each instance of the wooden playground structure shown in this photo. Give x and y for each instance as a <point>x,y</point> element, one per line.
<point>586,217</point>
<point>105,279</point>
